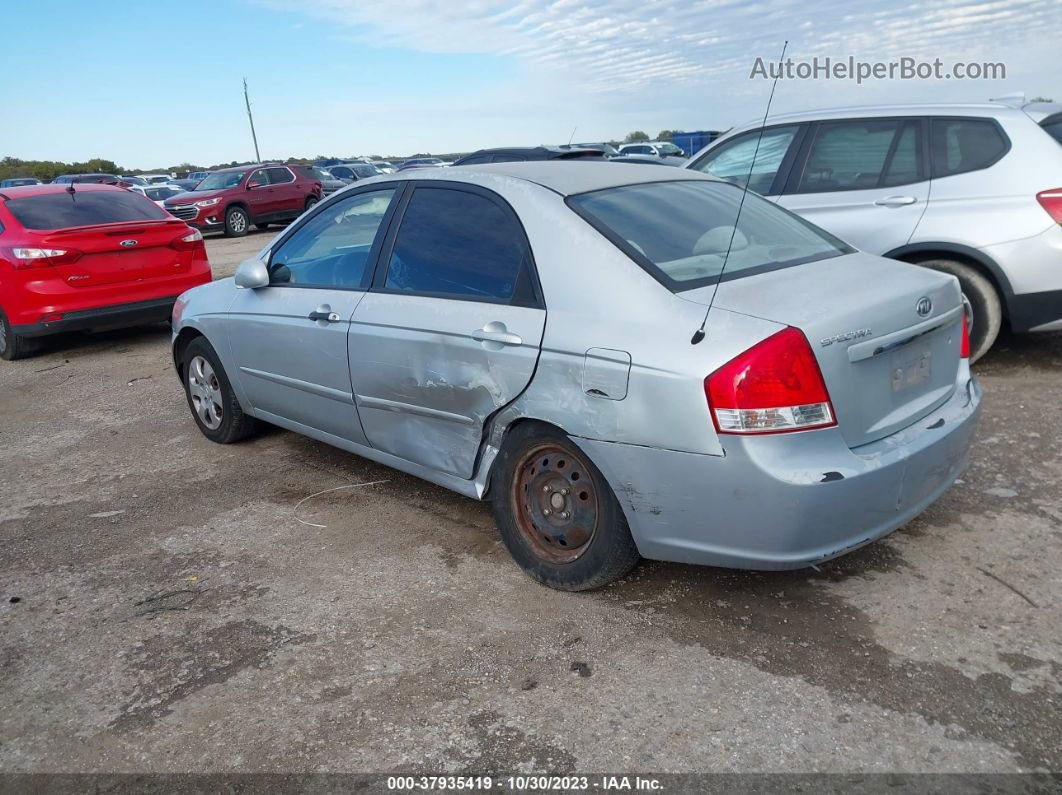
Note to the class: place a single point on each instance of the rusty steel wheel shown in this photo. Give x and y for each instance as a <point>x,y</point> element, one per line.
<point>556,512</point>
<point>556,502</point>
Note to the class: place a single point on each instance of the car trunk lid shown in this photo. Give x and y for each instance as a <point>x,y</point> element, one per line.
<point>119,252</point>
<point>886,335</point>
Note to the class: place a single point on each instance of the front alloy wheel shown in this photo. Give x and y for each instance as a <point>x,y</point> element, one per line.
<point>204,389</point>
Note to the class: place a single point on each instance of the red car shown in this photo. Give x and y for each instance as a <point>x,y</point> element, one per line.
<point>232,199</point>
<point>89,257</point>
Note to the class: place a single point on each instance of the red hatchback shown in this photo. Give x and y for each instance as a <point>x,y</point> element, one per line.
<point>89,257</point>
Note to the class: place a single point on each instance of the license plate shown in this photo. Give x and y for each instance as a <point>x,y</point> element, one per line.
<point>907,371</point>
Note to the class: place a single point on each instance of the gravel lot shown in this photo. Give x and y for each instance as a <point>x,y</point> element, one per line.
<point>162,609</point>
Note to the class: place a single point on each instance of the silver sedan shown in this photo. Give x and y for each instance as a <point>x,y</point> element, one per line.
<point>603,354</point>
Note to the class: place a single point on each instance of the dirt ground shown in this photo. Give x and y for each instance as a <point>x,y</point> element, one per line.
<point>162,607</point>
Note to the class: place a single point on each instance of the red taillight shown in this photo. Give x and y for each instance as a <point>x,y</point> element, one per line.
<point>1051,200</point>
<point>23,258</point>
<point>774,387</point>
<point>964,349</point>
<point>193,238</point>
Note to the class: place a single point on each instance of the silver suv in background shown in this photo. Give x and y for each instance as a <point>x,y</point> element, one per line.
<point>971,190</point>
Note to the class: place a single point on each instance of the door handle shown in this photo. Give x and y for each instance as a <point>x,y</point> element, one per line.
<point>495,331</point>
<point>896,201</point>
<point>325,313</point>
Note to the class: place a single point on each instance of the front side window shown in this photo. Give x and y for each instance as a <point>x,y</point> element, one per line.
<point>860,155</point>
<point>221,180</point>
<point>65,210</point>
<point>962,145</point>
<point>278,176</point>
<point>732,160</point>
<point>680,231</point>
<point>258,178</point>
<point>456,243</point>
<point>332,249</point>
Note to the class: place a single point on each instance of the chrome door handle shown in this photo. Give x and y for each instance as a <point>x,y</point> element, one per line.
<point>496,332</point>
<point>325,313</point>
<point>895,201</point>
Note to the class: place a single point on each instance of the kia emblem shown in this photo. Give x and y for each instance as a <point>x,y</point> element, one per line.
<point>924,306</point>
<point>131,243</point>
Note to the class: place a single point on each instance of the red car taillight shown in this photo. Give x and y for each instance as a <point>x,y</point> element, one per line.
<point>773,387</point>
<point>188,240</point>
<point>42,257</point>
<point>1051,200</point>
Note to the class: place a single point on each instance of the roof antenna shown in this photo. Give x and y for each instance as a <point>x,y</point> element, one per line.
<point>698,335</point>
<point>572,136</point>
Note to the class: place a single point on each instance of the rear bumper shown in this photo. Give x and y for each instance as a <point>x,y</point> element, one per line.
<point>790,500</point>
<point>104,317</point>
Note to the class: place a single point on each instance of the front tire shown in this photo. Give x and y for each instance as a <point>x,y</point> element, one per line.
<point>986,316</point>
<point>214,406</point>
<point>14,346</point>
<point>237,222</point>
<point>557,515</point>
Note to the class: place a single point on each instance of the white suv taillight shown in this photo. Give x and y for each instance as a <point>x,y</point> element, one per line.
<point>773,387</point>
<point>1051,200</point>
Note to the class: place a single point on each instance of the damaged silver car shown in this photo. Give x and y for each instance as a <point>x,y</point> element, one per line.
<point>605,356</point>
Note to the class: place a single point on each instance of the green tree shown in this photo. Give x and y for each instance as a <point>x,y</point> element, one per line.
<point>637,135</point>
<point>664,135</point>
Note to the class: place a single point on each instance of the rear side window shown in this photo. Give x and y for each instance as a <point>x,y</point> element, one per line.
<point>732,160</point>
<point>456,243</point>
<point>65,210</point>
<point>1053,126</point>
<point>963,145</point>
<point>507,159</point>
<point>860,155</point>
<point>474,160</point>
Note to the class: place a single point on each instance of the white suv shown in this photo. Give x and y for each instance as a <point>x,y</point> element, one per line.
<point>973,190</point>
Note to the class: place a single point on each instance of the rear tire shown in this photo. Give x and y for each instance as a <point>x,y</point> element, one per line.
<point>214,405</point>
<point>310,202</point>
<point>14,346</point>
<point>987,310</point>
<point>557,515</point>
<point>237,222</point>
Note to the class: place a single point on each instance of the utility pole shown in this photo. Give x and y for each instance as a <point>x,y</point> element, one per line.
<point>247,100</point>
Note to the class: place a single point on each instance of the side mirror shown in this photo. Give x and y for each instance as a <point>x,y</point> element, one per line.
<point>252,274</point>
<point>254,184</point>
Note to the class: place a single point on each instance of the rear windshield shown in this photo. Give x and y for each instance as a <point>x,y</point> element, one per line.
<point>1053,125</point>
<point>65,210</point>
<point>679,231</point>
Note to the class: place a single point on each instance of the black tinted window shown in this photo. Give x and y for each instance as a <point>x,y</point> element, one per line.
<point>1053,125</point>
<point>332,248</point>
<point>508,159</point>
<point>453,242</point>
<point>732,160</point>
<point>853,155</point>
<point>278,176</point>
<point>961,145</point>
<point>473,160</point>
<point>64,210</point>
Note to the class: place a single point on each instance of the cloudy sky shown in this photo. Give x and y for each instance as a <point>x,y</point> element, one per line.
<point>151,84</point>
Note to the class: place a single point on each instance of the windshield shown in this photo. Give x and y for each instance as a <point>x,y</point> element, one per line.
<point>680,231</point>
<point>668,149</point>
<point>221,180</point>
<point>319,173</point>
<point>159,194</point>
<point>65,210</point>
